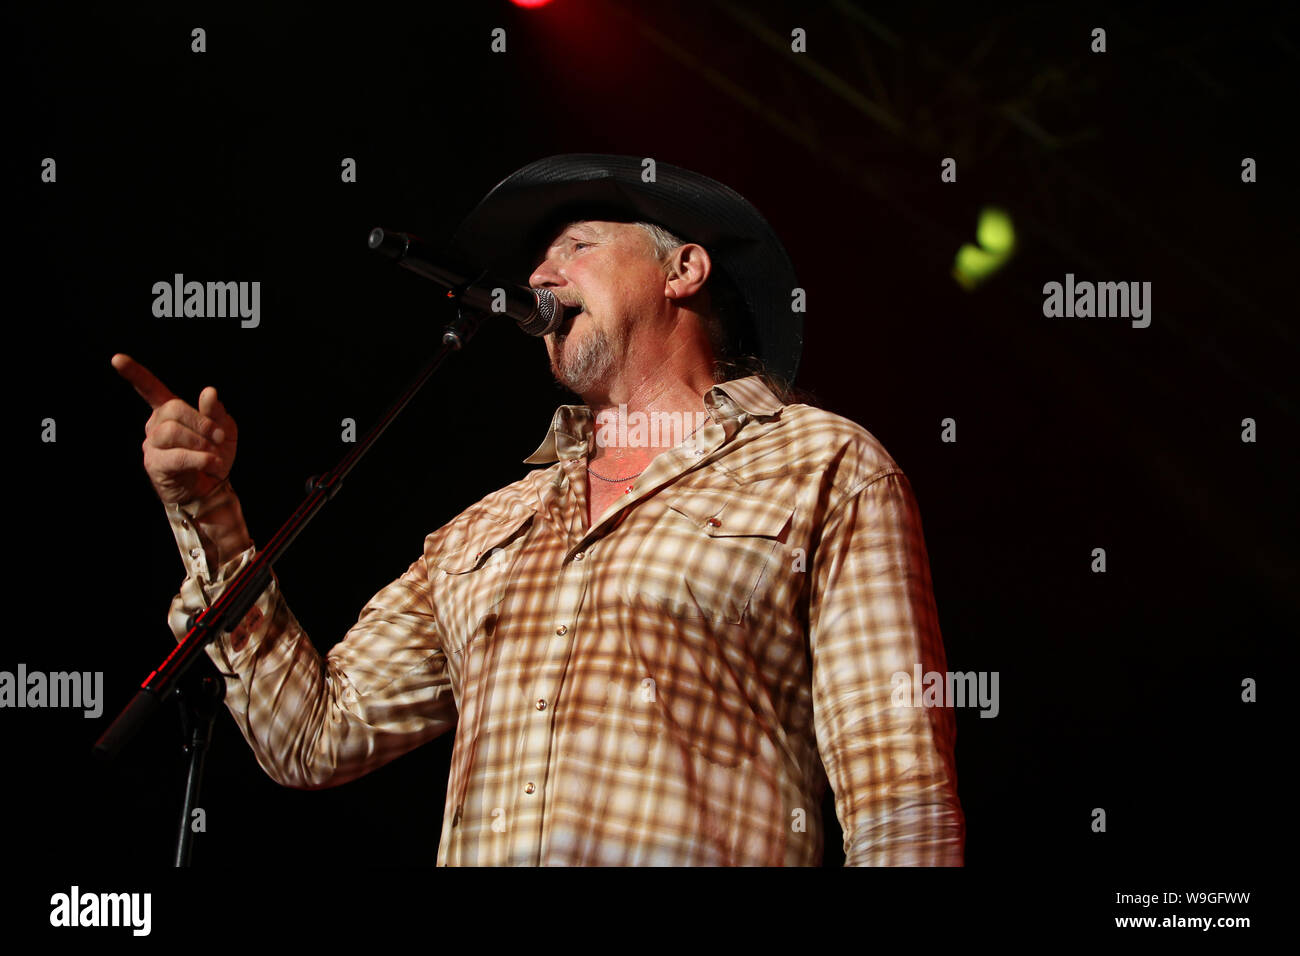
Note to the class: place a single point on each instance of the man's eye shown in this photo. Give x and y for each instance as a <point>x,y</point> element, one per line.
<point>578,244</point>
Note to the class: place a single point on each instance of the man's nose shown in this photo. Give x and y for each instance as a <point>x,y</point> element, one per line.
<point>545,276</point>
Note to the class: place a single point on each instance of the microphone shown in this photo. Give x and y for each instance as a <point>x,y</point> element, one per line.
<point>536,310</point>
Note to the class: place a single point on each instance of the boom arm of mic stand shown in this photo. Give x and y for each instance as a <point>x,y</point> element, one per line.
<point>244,590</point>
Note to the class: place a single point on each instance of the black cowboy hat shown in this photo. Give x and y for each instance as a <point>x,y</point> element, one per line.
<point>505,233</point>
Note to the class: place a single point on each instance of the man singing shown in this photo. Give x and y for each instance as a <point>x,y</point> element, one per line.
<point>660,645</point>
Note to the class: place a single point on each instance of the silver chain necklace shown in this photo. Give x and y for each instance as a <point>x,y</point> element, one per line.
<point>614,481</point>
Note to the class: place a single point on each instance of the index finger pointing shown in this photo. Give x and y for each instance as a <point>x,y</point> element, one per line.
<point>144,381</point>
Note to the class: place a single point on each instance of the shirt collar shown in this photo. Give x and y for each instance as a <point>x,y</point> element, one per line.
<point>571,433</point>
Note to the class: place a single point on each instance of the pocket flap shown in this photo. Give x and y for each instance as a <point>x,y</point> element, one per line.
<point>736,517</point>
<point>483,535</point>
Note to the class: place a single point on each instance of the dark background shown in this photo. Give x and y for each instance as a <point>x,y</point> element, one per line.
<point>1118,690</point>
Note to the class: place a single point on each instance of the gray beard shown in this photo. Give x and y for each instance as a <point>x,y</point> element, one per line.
<point>586,362</point>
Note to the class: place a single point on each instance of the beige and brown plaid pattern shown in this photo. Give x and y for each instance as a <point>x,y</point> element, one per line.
<point>662,689</point>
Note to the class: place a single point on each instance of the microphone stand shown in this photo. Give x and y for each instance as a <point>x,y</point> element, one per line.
<point>246,587</point>
<point>198,707</point>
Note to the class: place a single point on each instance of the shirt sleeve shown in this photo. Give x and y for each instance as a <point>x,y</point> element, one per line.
<point>872,618</point>
<point>382,691</point>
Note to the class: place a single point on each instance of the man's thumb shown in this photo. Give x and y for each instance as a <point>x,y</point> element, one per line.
<point>208,403</point>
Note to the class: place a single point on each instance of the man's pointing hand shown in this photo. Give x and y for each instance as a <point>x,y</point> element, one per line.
<point>187,451</point>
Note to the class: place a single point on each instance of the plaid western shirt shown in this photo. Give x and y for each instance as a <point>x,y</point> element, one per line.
<point>673,686</point>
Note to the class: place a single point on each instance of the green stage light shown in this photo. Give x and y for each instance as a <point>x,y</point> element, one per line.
<point>997,242</point>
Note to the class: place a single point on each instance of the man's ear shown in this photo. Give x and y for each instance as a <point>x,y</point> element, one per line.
<point>689,267</point>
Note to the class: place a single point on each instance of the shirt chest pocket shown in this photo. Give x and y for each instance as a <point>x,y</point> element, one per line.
<point>475,568</point>
<point>712,557</point>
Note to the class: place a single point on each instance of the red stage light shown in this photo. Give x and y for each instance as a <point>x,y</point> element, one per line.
<point>530,4</point>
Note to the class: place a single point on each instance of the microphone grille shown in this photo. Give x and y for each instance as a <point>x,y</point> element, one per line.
<point>548,316</point>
